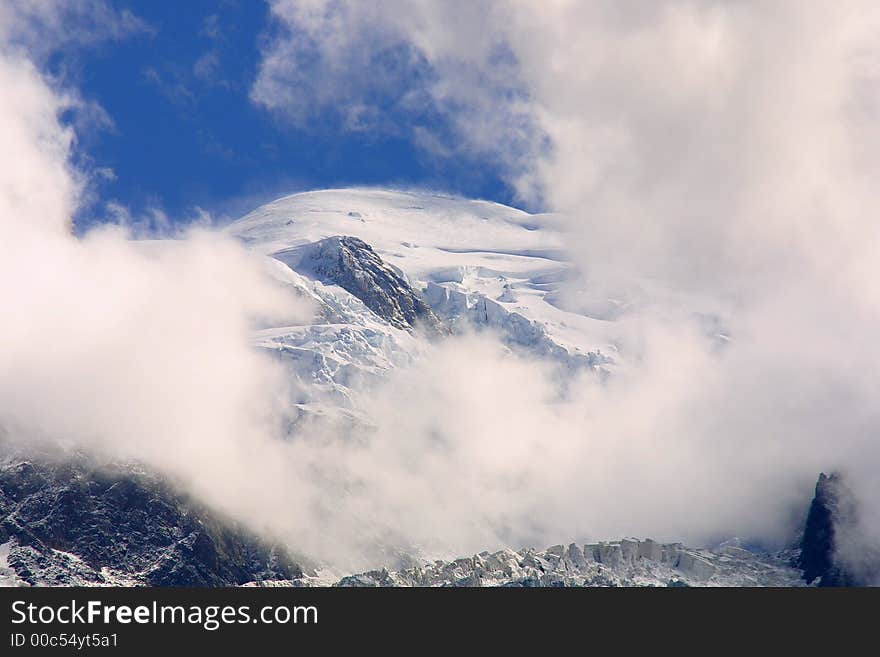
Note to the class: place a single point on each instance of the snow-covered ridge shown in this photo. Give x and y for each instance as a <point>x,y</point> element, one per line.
<point>474,262</point>
<point>390,270</point>
<point>391,221</point>
<point>82,521</point>
<point>628,562</point>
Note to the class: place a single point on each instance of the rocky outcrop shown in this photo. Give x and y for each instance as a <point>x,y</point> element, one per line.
<point>73,522</point>
<point>834,549</point>
<point>817,543</point>
<point>353,265</point>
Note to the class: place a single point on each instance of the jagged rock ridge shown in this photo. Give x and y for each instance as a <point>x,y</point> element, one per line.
<point>628,562</point>
<point>353,265</point>
<point>73,522</point>
<point>834,550</point>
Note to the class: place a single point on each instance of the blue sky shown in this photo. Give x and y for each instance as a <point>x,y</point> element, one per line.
<point>185,132</point>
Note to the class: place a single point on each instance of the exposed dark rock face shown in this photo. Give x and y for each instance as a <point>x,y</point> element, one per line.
<point>834,552</point>
<point>352,264</point>
<point>817,543</point>
<point>73,522</point>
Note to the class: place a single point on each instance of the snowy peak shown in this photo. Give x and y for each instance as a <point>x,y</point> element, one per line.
<point>419,228</point>
<point>353,265</point>
<point>628,562</point>
<point>477,263</point>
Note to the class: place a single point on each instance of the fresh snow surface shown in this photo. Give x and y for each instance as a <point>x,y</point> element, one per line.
<point>475,263</point>
<point>475,259</point>
<point>628,562</point>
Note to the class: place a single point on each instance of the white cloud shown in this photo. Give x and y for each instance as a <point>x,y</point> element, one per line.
<point>723,149</point>
<point>702,126</point>
<point>139,348</point>
<point>41,27</point>
<point>405,67</point>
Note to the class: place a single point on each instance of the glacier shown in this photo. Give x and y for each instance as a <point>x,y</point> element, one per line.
<point>456,264</point>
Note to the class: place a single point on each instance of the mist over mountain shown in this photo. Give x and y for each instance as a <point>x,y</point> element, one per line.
<point>441,394</point>
<point>637,379</point>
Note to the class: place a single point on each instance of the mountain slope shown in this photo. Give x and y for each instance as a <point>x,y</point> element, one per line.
<point>352,264</point>
<point>835,551</point>
<point>75,521</point>
<point>387,273</point>
<point>617,563</point>
<point>378,264</point>
<point>474,261</point>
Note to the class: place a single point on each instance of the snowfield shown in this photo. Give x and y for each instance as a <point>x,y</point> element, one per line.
<point>474,263</point>
<point>488,262</point>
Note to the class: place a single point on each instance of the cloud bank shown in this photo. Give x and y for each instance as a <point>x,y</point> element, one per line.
<point>724,150</point>
<point>137,349</point>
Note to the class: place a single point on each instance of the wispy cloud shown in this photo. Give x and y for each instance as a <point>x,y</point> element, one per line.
<point>398,67</point>
<point>121,316</point>
<point>211,28</point>
<point>184,83</point>
<point>44,26</point>
<point>173,83</point>
<point>208,68</point>
<point>724,150</point>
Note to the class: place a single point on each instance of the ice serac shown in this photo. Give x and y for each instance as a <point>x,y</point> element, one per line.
<point>353,265</point>
<point>628,562</point>
<point>834,549</point>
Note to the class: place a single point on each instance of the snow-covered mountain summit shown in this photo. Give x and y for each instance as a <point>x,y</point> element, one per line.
<point>352,264</point>
<point>472,261</point>
<point>388,274</point>
<point>382,266</point>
